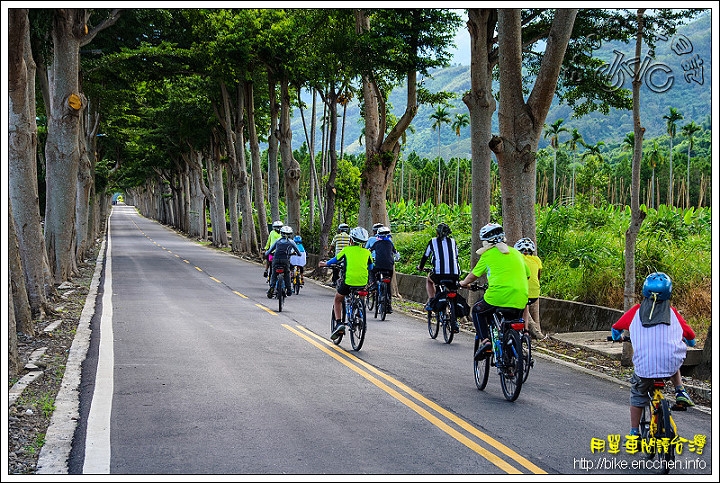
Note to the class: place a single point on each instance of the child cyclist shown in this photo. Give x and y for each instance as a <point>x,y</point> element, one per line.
<point>659,336</point>
<point>527,247</point>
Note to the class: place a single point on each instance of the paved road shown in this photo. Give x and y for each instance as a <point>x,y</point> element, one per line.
<point>191,371</point>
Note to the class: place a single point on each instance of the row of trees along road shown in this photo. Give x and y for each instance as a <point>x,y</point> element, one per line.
<point>168,105</point>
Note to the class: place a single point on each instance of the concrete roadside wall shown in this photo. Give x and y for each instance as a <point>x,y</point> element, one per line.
<point>555,315</point>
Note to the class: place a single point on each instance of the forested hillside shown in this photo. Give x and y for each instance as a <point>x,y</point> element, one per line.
<point>690,93</point>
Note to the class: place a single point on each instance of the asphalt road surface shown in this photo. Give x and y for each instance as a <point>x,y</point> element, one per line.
<point>192,371</point>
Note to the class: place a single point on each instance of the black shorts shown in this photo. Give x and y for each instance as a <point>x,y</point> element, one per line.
<point>344,289</point>
<point>436,277</point>
<point>532,301</point>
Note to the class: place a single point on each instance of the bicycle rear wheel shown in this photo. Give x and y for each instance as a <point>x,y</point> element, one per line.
<point>511,376</point>
<point>666,434</point>
<point>481,368</point>
<point>334,323</point>
<point>296,281</point>
<point>372,298</point>
<point>527,354</point>
<point>280,293</point>
<point>433,324</point>
<point>358,324</point>
<point>448,317</point>
<point>382,299</point>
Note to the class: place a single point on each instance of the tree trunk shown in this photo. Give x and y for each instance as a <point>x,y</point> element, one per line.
<point>637,215</point>
<point>273,176</point>
<point>17,295</point>
<point>258,185</point>
<point>381,152</point>
<point>291,168</point>
<point>481,106</point>
<point>330,108</point>
<point>521,122</point>
<point>22,164</point>
<point>62,152</point>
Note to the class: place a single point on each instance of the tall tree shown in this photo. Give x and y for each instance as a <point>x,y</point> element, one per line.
<point>689,131</point>
<point>521,122</point>
<point>573,143</point>
<point>672,120</point>
<point>636,214</point>
<point>439,117</point>
<point>22,166</point>
<point>654,157</point>
<point>396,44</point>
<point>461,120</point>
<point>70,31</point>
<point>553,132</point>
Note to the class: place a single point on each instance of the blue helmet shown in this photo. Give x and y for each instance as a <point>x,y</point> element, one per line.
<point>297,239</point>
<point>659,285</point>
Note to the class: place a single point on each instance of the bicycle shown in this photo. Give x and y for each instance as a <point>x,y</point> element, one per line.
<point>280,292</point>
<point>445,310</point>
<point>353,317</point>
<point>658,431</point>
<point>507,351</point>
<point>379,295</point>
<point>296,279</point>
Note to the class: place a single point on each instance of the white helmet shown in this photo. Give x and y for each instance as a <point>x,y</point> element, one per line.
<point>525,245</point>
<point>286,231</point>
<point>359,235</point>
<point>277,224</point>
<point>492,233</point>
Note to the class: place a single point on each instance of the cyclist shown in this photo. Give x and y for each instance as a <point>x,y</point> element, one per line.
<point>442,251</point>
<point>373,238</point>
<point>384,256</point>
<point>659,336</point>
<point>357,261</point>
<point>272,238</point>
<point>527,247</point>
<point>299,260</point>
<point>507,275</point>
<point>339,241</point>
<point>281,251</point>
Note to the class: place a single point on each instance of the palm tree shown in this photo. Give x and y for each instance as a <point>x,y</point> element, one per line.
<point>672,118</point>
<point>553,131</point>
<point>439,117</point>
<point>461,121</point>
<point>689,131</point>
<point>653,158</point>
<point>593,151</point>
<point>572,143</point>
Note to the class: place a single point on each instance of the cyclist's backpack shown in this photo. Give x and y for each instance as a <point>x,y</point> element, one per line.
<point>462,308</point>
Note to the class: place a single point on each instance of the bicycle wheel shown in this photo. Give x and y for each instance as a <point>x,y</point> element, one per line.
<point>527,354</point>
<point>382,299</point>
<point>358,324</point>
<point>433,324</point>
<point>482,368</point>
<point>333,325</point>
<point>666,434</point>
<point>645,436</point>
<point>280,293</point>
<point>511,375</point>
<point>371,299</point>
<point>448,316</point>
<point>296,282</point>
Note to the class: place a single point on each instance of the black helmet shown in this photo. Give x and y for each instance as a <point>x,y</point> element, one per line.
<point>443,230</point>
